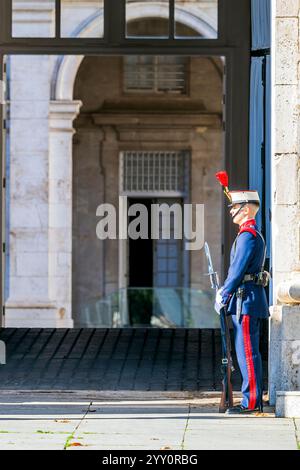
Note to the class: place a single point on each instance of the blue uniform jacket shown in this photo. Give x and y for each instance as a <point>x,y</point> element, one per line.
<point>246,257</point>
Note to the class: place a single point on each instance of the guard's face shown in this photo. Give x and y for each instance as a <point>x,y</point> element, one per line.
<point>237,214</point>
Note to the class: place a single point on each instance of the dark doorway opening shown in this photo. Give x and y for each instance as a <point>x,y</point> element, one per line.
<point>141,253</point>
<point>140,297</point>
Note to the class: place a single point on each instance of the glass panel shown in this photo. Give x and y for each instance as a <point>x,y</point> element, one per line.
<point>196,18</point>
<point>172,279</point>
<point>162,279</point>
<point>36,21</point>
<point>162,307</point>
<point>172,250</point>
<point>82,18</point>
<point>161,249</point>
<point>162,265</point>
<point>147,18</point>
<point>173,264</point>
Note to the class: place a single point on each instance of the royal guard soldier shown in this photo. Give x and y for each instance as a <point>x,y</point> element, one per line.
<point>243,294</point>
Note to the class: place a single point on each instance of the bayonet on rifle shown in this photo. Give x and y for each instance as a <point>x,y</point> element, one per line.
<point>213,275</point>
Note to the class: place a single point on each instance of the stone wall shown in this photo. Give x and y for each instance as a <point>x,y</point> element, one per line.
<point>285,321</point>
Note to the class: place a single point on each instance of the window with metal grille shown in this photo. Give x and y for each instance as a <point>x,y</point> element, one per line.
<point>155,74</point>
<point>153,171</point>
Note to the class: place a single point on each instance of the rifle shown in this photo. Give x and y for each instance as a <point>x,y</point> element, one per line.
<point>227,365</point>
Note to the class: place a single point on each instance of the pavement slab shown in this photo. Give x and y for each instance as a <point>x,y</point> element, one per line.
<point>240,434</point>
<point>51,421</point>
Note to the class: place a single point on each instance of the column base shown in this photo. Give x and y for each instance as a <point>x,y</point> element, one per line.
<point>287,405</point>
<point>18,315</point>
<point>284,352</point>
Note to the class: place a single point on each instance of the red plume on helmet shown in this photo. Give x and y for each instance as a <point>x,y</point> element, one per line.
<point>223,179</point>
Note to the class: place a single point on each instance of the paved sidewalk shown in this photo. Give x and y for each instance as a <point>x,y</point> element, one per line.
<point>67,421</point>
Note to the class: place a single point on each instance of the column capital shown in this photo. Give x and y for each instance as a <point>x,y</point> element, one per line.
<point>62,114</point>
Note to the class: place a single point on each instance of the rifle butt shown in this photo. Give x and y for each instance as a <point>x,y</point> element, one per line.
<point>226,400</point>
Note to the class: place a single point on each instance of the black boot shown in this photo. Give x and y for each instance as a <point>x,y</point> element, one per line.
<point>241,410</point>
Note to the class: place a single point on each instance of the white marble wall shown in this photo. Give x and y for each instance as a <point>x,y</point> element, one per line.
<point>29,150</point>
<point>285,321</point>
<point>286,141</point>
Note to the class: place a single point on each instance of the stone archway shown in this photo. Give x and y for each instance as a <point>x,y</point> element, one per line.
<point>66,68</point>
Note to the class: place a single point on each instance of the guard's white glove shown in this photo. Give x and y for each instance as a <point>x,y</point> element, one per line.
<point>219,296</point>
<point>218,302</point>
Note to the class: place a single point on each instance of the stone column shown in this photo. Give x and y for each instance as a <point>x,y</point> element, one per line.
<point>40,195</point>
<point>27,271</point>
<point>62,115</point>
<point>284,371</point>
<point>111,161</point>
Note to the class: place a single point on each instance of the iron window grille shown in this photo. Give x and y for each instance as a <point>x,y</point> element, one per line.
<point>153,171</point>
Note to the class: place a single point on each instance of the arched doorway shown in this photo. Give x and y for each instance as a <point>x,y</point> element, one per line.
<point>125,117</point>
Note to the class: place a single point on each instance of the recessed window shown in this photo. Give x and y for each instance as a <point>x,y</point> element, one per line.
<point>155,74</point>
